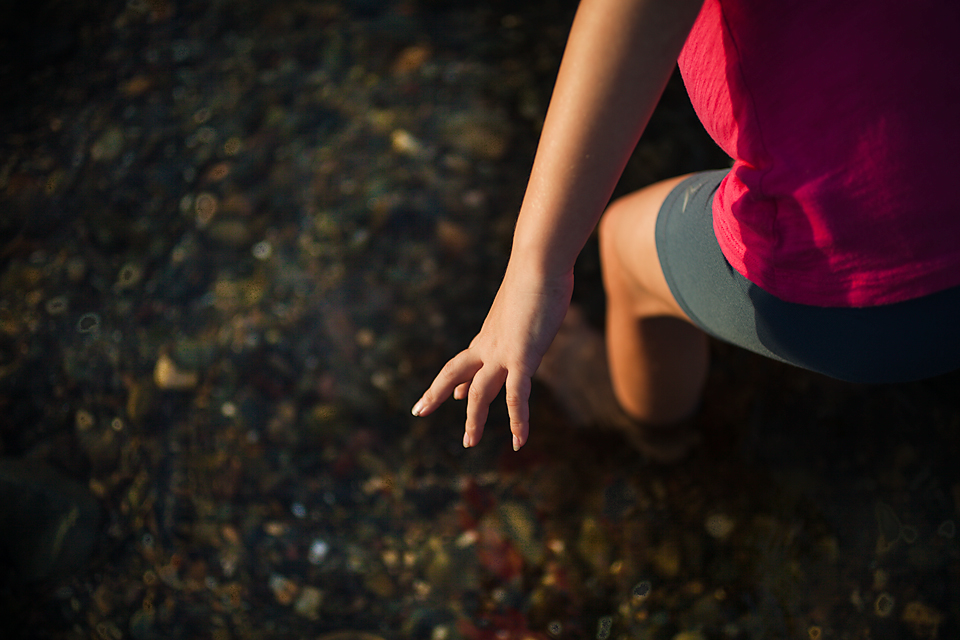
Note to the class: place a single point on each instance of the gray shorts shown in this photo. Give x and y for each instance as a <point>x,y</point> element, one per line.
<point>899,342</point>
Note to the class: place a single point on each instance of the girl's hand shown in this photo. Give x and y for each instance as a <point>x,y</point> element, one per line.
<point>523,320</point>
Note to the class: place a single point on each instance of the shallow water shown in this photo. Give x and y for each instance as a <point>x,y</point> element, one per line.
<point>238,241</point>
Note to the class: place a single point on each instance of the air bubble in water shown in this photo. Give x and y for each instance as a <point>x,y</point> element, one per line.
<point>88,323</point>
<point>883,606</point>
<point>129,275</point>
<point>603,627</point>
<point>641,590</point>
<point>84,420</point>
<point>56,306</point>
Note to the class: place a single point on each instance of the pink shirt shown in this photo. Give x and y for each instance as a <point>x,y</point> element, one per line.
<point>842,119</point>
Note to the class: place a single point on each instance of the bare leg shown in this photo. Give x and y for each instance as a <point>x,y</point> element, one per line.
<point>658,360</point>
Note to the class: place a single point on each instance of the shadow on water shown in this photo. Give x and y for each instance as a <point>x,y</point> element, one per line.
<point>237,242</point>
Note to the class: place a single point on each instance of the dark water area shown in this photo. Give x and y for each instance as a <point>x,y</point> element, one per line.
<point>238,239</point>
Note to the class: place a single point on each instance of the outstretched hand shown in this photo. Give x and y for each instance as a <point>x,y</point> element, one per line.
<point>522,322</point>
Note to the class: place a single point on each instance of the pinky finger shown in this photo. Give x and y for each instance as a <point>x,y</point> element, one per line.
<point>460,393</point>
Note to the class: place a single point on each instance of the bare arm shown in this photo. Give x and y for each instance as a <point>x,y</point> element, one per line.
<point>618,59</point>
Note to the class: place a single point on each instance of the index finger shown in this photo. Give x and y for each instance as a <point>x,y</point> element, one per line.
<point>460,369</point>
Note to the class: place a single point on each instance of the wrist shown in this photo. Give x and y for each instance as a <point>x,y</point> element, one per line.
<point>534,272</point>
<point>532,263</point>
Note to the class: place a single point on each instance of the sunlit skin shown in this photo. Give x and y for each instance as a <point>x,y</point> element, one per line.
<point>618,59</point>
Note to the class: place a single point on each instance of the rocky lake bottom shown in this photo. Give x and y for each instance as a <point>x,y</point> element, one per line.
<point>238,239</point>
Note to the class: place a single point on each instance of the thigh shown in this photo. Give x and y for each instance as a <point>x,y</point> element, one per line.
<point>629,249</point>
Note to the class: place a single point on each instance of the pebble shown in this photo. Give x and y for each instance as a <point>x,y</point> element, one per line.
<point>284,589</point>
<point>76,269</point>
<point>888,525</point>
<point>521,526</point>
<point>142,623</point>
<point>108,146</point>
<point>168,376</point>
<point>453,237</point>
<point>720,525</point>
<point>593,545</point>
<point>231,232</point>
<point>406,144</point>
<point>308,603</point>
<point>880,579</point>
<point>205,206</point>
<point>379,583</point>
<point>923,620</point>
<point>477,135</point>
<point>318,551</point>
<point>411,59</point>
<point>666,559</point>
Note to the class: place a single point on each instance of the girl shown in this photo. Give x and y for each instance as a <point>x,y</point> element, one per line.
<point>833,243</point>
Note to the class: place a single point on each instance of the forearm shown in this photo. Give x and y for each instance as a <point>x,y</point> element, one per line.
<point>618,59</point>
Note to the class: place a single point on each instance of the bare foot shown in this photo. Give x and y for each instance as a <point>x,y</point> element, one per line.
<point>575,370</point>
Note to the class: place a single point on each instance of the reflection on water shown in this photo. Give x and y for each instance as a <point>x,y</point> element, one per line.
<point>236,244</point>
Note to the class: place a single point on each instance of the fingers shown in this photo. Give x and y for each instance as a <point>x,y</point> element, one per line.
<point>484,388</point>
<point>456,373</point>
<point>465,376</point>
<point>518,407</point>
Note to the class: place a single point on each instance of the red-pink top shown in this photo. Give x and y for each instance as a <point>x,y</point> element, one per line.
<point>842,120</point>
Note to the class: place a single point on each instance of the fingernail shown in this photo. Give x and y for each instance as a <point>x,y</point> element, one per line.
<point>417,408</point>
<point>516,442</point>
<point>466,440</point>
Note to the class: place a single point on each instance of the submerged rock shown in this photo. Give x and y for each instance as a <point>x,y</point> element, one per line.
<point>48,522</point>
<point>167,375</point>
